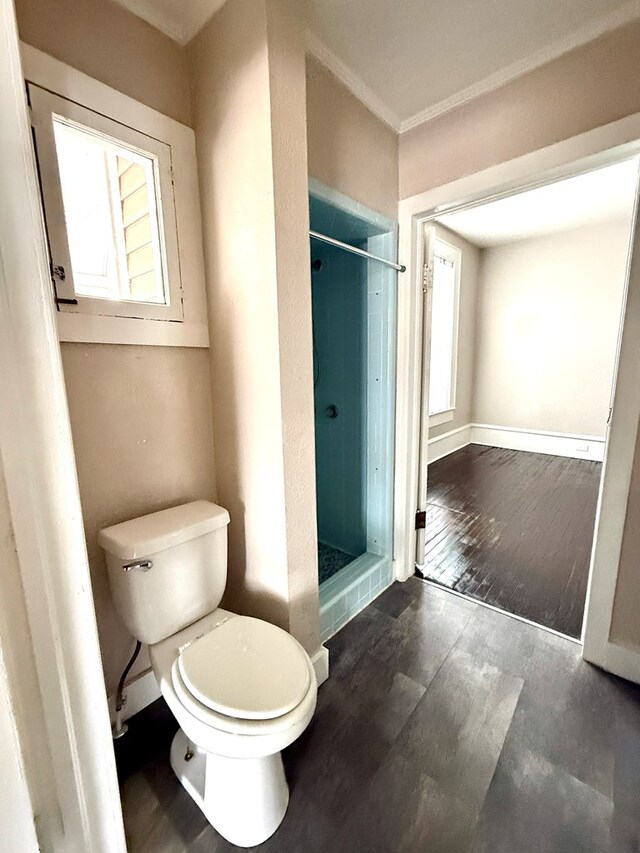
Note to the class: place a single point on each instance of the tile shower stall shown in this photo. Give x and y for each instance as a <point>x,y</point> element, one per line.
<point>354,301</point>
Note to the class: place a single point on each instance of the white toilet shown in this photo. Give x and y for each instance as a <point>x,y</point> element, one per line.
<point>240,688</point>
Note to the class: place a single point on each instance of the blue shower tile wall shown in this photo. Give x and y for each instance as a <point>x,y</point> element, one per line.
<point>354,303</point>
<point>340,364</point>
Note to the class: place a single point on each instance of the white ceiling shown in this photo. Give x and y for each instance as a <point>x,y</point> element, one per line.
<point>607,194</point>
<point>421,57</point>
<point>414,59</point>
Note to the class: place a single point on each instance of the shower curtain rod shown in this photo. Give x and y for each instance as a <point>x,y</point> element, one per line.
<point>333,242</point>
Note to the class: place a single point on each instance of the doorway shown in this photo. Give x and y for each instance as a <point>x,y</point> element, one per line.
<point>353,304</point>
<point>523,319</point>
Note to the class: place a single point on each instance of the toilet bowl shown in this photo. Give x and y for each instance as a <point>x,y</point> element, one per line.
<point>232,726</point>
<point>240,688</point>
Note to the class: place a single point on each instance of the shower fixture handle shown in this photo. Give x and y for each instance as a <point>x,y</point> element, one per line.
<point>331,411</point>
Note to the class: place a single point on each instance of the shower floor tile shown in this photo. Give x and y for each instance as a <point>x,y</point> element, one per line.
<point>330,561</point>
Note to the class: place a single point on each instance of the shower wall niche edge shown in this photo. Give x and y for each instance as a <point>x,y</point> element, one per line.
<point>352,588</point>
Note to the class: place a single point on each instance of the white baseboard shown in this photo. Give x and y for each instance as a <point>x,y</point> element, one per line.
<point>515,438</point>
<point>618,660</point>
<point>539,441</point>
<point>320,661</point>
<point>140,692</point>
<point>449,442</point>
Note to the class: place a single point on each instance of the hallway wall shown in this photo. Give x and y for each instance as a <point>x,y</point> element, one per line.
<point>547,328</point>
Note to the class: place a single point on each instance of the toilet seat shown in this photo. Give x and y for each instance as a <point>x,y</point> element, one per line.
<point>235,726</point>
<point>243,675</point>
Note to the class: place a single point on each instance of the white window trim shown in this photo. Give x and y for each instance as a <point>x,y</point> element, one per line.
<point>44,107</point>
<point>192,331</point>
<point>444,417</point>
<point>452,253</point>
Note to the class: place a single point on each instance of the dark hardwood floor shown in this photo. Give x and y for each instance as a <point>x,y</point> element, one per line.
<point>445,728</point>
<point>514,530</point>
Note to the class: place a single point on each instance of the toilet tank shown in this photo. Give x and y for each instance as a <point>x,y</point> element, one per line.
<point>167,569</point>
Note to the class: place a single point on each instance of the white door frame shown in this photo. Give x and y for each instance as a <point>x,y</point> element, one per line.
<point>599,147</point>
<point>39,465</point>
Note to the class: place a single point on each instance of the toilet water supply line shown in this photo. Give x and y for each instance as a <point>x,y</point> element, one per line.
<point>119,727</point>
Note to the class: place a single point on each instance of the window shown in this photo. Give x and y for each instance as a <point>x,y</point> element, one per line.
<point>121,205</point>
<point>109,210</point>
<point>444,329</point>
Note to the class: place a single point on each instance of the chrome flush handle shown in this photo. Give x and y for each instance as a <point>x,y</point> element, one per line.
<point>141,565</point>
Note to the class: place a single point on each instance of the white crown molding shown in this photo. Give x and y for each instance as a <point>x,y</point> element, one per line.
<point>184,26</point>
<point>590,31</point>
<point>351,80</point>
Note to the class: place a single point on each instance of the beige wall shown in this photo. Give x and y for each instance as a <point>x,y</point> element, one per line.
<point>547,326</point>
<point>584,89</point>
<point>469,270</point>
<point>248,105</point>
<point>349,148</point>
<point>141,416</point>
<point>142,432</point>
<point>112,45</point>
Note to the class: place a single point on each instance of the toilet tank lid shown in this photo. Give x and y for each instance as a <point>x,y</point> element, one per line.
<point>158,531</point>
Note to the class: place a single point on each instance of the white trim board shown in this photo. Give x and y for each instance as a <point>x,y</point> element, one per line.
<point>515,438</point>
<point>138,693</point>
<point>320,663</point>
<point>440,418</point>
<point>620,660</point>
<point>539,441</point>
<point>447,443</point>
<point>353,82</point>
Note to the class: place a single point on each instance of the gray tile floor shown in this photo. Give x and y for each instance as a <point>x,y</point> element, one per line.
<point>445,727</point>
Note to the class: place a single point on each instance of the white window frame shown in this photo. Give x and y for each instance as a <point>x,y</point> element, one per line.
<point>449,252</point>
<point>45,107</point>
<point>64,91</point>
